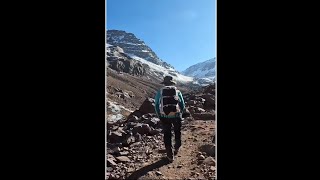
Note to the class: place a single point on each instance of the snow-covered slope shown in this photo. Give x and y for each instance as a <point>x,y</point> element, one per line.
<point>206,69</point>
<point>204,73</point>
<point>159,71</point>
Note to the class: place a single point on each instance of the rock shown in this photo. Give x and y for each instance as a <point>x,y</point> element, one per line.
<point>153,122</point>
<point>111,162</point>
<point>154,132</point>
<point>129,140</point>
<point>124,153</point>
<point>115,150</point>
<point>209,161</point>
<point>201,157</point>
<point>109,156</point>
<point>158,173</point>
<point>212,168</point>
<point>134,119</point>
<point>209,102</point>
<point>147,106</point>
<point>204,116</point>
<point>109,169</point>
<point>192,102</point>
<point>179,166</point>
<point>123,158</point>
<point>130,170</point>
<point>115,137</point>
<point>130,93</point>
<point>199,110</point>
<point>141,129</point>
<point>138,137</point>
<point>126,95</point>
<point>136,144</point>
<point>136,113</point>
<point>148,152</point>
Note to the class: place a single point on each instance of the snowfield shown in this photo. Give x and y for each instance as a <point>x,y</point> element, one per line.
<point>160,71</point>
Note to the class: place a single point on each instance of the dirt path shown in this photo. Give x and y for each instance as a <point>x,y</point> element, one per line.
<point>196,141</point>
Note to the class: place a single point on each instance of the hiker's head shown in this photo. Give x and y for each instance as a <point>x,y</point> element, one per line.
<point>168,81</point>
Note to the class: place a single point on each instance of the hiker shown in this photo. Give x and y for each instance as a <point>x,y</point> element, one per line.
<point>169,107</point>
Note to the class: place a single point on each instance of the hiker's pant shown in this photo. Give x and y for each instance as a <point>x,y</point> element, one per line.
<point>167,123</point>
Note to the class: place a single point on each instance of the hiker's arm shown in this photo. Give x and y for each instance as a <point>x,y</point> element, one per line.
<point>157,103</point>
<point>181,101</point>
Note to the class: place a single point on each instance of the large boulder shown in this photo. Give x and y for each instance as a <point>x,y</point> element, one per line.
<point>209,102</point>
<point>115,137</point>
<point>204,116</point>
<point>136,115</point>
<point>147,106</point>
<point>141,129</point>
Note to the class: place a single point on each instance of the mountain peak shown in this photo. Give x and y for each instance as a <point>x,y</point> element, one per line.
<point>205,69</point>
<point>133,45</point>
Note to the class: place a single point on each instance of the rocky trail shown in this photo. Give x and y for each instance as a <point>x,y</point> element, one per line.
<point>135,148</point>
<point>195,160</point>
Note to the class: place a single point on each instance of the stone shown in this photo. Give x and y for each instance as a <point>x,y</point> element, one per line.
<point>138,137</point>
<point>201,157</point>
<point>204,116</point>
<point>147,106</point>
<point>199,110</point>
<point>209,161</point>
<point>129,140</point>
<point>111,162</point>
<point>212,168</point>
<point>124,153</point>
<point>158,173</point>
<point>141,129</point>
<point>154,132</point>
<point>153,122</point>
<point>123,158</point>
<point>115,137</point>
<point>136,113</point>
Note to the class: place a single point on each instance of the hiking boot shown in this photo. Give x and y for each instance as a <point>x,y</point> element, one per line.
<point>170,158</point>
<point>176,151</point>
<point>169,154</point>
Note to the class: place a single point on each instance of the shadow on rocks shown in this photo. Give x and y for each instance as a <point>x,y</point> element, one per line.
<point>143,171</point>
<point>209,149</point>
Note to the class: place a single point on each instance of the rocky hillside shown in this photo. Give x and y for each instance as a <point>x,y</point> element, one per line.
<point>135,148</point>
<point>121,62</point>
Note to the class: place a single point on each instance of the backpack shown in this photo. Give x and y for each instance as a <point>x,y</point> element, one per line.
<point>169,101</point>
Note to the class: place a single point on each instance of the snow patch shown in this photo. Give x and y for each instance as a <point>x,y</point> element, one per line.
<point>156,69</point>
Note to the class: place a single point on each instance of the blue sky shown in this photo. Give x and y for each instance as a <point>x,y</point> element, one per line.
<point>180,32</point>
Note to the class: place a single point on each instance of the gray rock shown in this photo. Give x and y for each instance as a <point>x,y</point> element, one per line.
<point>128,141</point>
<point>123,159</point>
<point>141,129</point>
<point>147,106</point>
<point>111,162</point>
<point>115,137</point>
<point>210,161</point>
<point>201,157</point>
<point>124,153</point>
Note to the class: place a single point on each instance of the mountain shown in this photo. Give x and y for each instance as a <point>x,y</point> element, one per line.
<point>203,72</point>
<point>132,45</point>
<point>125,50</point>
